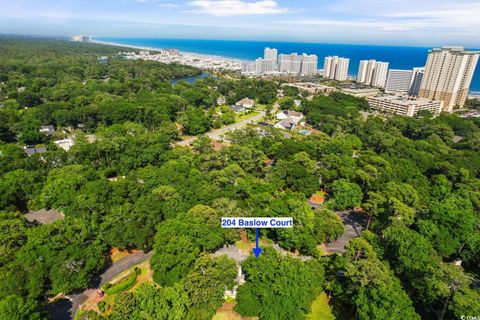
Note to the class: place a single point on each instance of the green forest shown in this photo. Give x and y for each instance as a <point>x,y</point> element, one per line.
<point>131,187</point>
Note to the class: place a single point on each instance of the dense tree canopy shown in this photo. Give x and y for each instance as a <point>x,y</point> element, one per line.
<point>125,184</point>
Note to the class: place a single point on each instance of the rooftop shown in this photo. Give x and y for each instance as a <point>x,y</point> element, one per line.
<point>44,216</point>
<point>246,101</point>
<point>456,49</point>
<point>403,100</point>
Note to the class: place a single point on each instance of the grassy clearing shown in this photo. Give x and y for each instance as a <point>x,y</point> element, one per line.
<point>321,309</point>
<point>247,115</point>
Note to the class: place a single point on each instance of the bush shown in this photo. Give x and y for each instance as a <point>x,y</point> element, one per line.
<point>123,285</point>
<point>102,306</point>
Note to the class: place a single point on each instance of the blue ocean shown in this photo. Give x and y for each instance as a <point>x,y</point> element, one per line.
<point>398,57</point>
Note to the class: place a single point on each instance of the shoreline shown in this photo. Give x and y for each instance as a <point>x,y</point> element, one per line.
<point>474,92</point>
<point>159,49</point>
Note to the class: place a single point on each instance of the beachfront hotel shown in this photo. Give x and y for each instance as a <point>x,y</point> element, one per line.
<point>336,68</point>
<point>448,75</point>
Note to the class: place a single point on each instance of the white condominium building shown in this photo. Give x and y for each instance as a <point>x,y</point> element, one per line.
<point>398,80</point>
<point>380,74</point>
<point>285,63</point>
<point>336,68</point>
<point>309,64</point>
<point>296,63</point>
<point>80,38</point>
<point>404,105</point>
<point>373,73</point>
<point>270,54</point>
<point>365,71</point>
<point>264,66</point>
<point>248,67</point>
<point>273,63</point>
<point>448,74</point>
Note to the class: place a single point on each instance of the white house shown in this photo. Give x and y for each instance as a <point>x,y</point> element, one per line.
<point>65,144</point>
<point>247,103</point>
<point>48,130</point>
<point>286,124</point>
<point>294,116</point>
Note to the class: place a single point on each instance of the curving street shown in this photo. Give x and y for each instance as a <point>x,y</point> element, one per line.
<point>66,308</point>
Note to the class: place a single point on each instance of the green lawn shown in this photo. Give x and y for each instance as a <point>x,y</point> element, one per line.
<point>320,309</point>
<point>246,115</point>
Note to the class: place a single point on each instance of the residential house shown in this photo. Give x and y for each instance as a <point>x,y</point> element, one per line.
<point>31,150</point>
<point>65,144</point>
<point>238,109</point>
<point>287,124</point>
<point>48,130</point>
<point>317,200</point>
<point>296,117</point>
<point>247,103</point>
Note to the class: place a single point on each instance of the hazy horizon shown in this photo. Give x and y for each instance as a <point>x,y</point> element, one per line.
<point>375,22</point>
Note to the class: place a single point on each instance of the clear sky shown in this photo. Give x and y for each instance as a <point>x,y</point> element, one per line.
<point>399,22</point>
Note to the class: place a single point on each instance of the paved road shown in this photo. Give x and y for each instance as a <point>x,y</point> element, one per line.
<point>124,264</point>
<point>65,310</point>
<point>216,134</point>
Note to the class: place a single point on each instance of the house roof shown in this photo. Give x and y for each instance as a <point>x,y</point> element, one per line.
<point>290,113</point>
<point>65,144</point>
<point>30,151</point>
<point>317,199</point>
<point>286,124</point>
<point>237,108</point>
<point>247,101</point>
<point>49,130</point>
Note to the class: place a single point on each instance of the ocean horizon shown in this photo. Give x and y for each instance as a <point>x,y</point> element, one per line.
<point>399,57</point>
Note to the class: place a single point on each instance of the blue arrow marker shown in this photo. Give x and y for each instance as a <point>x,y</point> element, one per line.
<point>256,250</point>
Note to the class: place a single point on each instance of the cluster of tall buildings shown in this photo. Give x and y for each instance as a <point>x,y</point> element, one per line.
<point>273,63</point>
<point>446,76</point>
<point>80,38</point>
<point>442,85</point>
